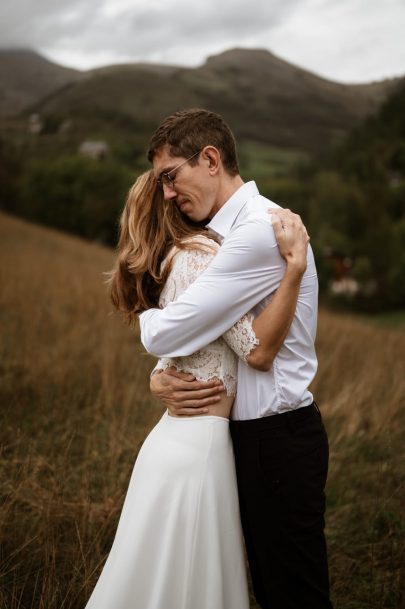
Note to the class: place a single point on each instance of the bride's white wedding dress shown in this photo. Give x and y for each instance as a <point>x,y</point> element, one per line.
<point>179,541</point>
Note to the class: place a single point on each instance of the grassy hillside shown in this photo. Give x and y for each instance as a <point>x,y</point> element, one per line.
<point>265,98</point>
<point>274,101</point>
<point>75,408</point>
<point>26,77</point>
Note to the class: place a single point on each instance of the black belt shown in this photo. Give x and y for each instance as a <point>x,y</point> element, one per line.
<point>285,419</point>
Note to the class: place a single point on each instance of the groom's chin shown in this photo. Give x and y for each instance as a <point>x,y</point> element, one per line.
<point>196,221</point>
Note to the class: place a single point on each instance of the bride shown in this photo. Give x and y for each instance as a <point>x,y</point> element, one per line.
<point>179,542</point>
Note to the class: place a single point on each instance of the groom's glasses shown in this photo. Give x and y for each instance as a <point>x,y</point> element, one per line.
<point>167,178</point>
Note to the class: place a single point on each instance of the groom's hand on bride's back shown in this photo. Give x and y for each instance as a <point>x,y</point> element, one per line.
<point>183,394</point>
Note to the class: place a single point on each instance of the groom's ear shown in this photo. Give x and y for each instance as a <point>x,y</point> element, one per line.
<point>212,157</point>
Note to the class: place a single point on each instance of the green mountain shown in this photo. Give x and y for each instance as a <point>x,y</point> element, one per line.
<point>26,77</point>
<point>264,98</point>
<point>270,100</point>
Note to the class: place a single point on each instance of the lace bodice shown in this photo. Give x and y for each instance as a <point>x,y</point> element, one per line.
<point>219,358</point>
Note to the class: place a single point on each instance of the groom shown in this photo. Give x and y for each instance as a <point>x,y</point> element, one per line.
<point>280,444</point>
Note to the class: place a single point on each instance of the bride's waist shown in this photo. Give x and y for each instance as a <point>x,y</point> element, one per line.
<point>221,409</point>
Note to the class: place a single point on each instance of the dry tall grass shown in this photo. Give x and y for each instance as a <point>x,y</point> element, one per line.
<point>76,407</point>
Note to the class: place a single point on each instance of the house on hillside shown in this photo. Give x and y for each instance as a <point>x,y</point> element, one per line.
<point>35,124</point>
<point>342,282</point>
<point>94,149</point>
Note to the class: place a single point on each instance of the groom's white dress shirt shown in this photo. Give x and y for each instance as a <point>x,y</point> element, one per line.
<point>243,276</point>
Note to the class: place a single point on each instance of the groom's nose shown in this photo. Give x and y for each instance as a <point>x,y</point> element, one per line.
<point>169,192</point>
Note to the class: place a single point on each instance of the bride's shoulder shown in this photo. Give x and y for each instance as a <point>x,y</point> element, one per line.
<point>193,248</point>
<point>201,242</point>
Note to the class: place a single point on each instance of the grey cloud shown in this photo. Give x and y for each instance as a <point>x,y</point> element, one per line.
<point>318,34</point>
<point>144,28</point>
<point>200,22</point>
<point>25,24</point>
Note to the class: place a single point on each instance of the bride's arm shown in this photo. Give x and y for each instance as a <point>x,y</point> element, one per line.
<point>258,340</point>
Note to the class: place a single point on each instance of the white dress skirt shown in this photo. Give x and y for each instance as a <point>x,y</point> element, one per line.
<point>179,541</point>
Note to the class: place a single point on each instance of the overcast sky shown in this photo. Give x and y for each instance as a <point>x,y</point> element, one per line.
<point>344,40</point>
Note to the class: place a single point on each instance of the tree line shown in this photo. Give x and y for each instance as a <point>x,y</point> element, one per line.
<point>352,202</point>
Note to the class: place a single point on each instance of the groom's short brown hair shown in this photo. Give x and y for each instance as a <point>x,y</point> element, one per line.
<point>188,131</point>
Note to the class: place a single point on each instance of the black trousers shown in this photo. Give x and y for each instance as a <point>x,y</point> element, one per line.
<point>281,465</point>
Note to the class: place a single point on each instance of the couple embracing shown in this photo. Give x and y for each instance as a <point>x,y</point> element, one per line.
<point>225,287</point>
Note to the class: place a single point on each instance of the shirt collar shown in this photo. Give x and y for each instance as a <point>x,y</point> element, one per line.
<point>224,219</point>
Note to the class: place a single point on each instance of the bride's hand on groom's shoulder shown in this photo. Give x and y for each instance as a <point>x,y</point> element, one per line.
<point>292,237</point>
<point>182,394</point>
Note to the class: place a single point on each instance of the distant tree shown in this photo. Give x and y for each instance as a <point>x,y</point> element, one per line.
<point>396,272</point>
<point>77,195</point>
<point>10,171</point>
<point>357,207</point>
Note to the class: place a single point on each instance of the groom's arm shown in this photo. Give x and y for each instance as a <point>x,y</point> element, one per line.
<point>184,395</point>
<point>246,269</point>
<point>180,392</point>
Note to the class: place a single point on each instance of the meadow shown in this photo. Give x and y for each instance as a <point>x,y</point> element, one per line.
<point>75,408</point>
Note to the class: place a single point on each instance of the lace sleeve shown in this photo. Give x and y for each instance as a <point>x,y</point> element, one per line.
<point>241,338</point>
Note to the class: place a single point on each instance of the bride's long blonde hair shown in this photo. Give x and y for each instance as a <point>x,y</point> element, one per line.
<point>149,228</point>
